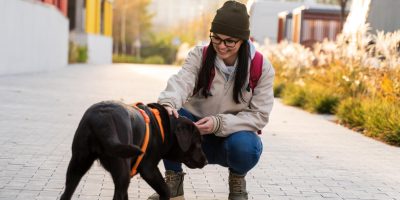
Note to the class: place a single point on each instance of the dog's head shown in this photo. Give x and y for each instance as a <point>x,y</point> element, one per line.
<point>186,140</point>
<point>188,149</point>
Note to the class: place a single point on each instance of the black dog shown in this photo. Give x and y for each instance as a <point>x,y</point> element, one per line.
<point>114,132</point>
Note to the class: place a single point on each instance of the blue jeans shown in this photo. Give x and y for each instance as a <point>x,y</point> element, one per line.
<point>240,151</point>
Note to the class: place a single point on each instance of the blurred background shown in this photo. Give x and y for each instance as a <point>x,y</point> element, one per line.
<point>337,57</point>
<point>57,32</point>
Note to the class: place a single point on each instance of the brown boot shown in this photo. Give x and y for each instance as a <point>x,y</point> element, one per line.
<point>237,187</point>
<point>174,181</point>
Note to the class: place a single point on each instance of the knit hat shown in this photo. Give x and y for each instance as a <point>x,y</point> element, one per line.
<point>232,20</point>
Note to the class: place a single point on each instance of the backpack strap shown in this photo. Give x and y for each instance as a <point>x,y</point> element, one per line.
<point>204,54</point>
<point>255,70</point>
<point>255,73</point>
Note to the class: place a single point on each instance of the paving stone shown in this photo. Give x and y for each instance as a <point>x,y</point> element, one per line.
<point>304,156</point>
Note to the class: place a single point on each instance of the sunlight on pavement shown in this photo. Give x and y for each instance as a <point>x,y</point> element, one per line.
<point>160,72</point>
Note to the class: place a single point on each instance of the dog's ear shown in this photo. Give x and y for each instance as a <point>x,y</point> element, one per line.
<point>184,131</point>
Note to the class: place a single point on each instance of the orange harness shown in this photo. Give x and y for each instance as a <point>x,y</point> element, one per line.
<point>147,135</point>
<point>156,113</point>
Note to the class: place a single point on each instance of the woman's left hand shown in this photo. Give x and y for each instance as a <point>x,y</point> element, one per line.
<point>205,125</point>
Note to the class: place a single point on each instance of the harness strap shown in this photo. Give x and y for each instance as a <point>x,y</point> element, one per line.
<point>145,142</point>
<point>156,114</point>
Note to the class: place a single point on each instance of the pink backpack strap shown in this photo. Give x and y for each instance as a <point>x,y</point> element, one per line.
<point>204,54</point>
<point>255,73</point>
<point>212,71</point>
<point>255,70</point>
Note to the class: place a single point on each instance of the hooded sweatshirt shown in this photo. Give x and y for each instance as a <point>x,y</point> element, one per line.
<point>228,116</point>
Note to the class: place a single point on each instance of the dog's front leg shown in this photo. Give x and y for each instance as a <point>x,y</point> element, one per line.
<point>153,177</point>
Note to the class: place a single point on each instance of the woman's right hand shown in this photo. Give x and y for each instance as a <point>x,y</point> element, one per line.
<point>172,111</point>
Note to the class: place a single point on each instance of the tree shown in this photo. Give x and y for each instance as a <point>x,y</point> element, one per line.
<point>131,23</point>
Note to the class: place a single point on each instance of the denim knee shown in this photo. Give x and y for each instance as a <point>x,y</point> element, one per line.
<point>243,151</point>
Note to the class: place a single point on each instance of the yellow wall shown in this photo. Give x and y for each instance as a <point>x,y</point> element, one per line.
<point>93,17</point>
<point>97,15</point>
<point>90,21</point>
<point>108,18</point>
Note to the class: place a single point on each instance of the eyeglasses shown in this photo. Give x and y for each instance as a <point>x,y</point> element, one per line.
<point>228,42</point>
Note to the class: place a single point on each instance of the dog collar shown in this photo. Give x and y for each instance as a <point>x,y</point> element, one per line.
<point>156,114</point>
<point>145,142</point>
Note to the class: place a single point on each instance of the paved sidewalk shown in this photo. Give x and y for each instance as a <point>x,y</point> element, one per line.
<point>305,156</point>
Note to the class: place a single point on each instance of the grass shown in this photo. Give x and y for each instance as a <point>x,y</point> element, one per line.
<point>355,78</point>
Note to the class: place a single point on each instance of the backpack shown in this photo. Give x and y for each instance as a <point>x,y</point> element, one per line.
<point>255,70</point>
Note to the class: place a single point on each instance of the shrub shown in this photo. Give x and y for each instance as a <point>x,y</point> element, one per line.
<point>160,45</point>
<point>320,99</point>
<point>351,112</point>
<point>362,68</point>
<point>294,95</point>
<point>154,60</point>
<point>82,54</point>
<point>72,53</point>
<point>77,53</point>
<point>126,59</point>
<point>323,103</point>
<point>382,120</point>
<point>278,88</point>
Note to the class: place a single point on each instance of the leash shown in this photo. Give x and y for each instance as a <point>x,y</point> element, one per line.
<point>145,142</point>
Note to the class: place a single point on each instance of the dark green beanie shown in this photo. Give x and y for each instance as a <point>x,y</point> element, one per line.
<point>232,20</point>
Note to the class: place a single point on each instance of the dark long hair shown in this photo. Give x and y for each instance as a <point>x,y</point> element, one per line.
<point>240,72</point>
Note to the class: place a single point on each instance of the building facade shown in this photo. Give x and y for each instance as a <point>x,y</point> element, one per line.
<point>307,25</point>
<point>91,26</point>
<point>384,15</point>
<point>60,4</point>
<point>33,36</point>
<point>268,18</point>
<point>264,18</point>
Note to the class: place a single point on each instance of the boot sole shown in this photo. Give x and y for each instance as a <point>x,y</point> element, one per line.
<point>175,198</point>
<point>178,198</point>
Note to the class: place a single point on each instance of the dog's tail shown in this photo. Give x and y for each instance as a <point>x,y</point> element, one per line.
<point>125,151</point>
<point>105,131</point>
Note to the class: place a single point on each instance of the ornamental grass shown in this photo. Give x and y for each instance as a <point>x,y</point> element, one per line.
<point>356,77</point>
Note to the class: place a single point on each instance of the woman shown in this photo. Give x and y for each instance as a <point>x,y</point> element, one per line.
<point>227,113</point>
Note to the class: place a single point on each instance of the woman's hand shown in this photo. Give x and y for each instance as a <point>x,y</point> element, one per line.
<point>171,111</point>
<point>205,125</point>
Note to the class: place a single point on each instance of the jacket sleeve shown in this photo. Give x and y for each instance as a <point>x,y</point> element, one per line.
<point>256,116</point>
<point>181,85</point>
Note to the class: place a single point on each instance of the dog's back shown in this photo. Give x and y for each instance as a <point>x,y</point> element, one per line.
<point>105,128</point>
<point>104,133</point>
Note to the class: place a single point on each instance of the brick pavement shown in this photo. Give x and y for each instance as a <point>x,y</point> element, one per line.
<point>305,156</point>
